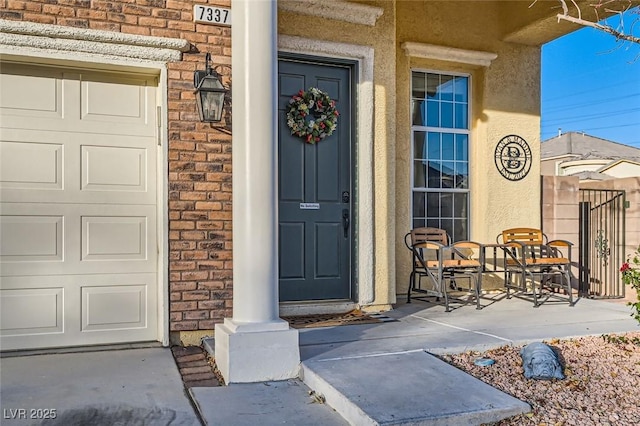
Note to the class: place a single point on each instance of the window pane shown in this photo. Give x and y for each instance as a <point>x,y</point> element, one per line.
<point>418,85</point>
<point>434,174</point>
<point>446,87</point>
<point>461,118</point>
<point>433,114</point>
<point>433,81</point>
<point>460,205</point>
<point>462,176</point>
<point>434,146</point>
<point>447,225</point>
<point>419,174</point>
<point>447,146</point>
<point>461,89</point>
<point>446,204</point>
<point>462,148</point>
<point>460,230</point>
<point>419,199</point>
<point>419,145</point>
<point>433,223</point>
<point>417,112</point>
<point>446,115</point>
<point>418,223</point>
<point>433,204</point>
<point>448,172</point>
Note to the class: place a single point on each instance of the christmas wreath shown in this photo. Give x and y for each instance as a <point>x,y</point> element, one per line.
<point>312,115</point>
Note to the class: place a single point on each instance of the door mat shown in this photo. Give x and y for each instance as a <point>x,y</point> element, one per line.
<point>332,320</point>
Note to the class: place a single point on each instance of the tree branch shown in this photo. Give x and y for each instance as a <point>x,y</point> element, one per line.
<point>605,28</point>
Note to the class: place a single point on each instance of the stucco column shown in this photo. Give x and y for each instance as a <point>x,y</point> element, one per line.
<point>255,345</point>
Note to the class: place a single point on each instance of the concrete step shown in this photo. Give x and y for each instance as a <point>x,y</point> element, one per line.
<point>411,387</point>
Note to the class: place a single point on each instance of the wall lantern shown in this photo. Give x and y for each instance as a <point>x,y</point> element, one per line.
<point>209,93</point>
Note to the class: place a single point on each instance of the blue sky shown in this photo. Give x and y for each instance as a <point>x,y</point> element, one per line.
<point>591,83</point>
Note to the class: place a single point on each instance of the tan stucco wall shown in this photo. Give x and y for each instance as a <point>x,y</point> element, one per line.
<point>382,38</point>
<point>506,100</point>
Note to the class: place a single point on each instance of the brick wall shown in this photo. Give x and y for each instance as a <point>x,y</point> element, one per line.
<point>200,270</point>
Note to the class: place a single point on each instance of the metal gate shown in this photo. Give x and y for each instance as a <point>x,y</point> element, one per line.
<point>602,229</point>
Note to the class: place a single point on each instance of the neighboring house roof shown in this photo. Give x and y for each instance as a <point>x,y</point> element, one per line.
<point>589,175</point>
<point>615,163</point>
<point>580,146</point>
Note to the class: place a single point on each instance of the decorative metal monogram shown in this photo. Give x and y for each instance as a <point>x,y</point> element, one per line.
<point>513,157</point>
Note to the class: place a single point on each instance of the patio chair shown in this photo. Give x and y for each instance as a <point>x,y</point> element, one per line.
<point>530,255</point>
<point>443,263</point>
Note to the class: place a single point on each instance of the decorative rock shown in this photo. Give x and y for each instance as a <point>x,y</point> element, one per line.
<point>540,362</point>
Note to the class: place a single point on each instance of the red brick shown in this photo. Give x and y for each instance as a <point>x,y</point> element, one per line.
<point>196,295</point>
<point>207,383</point>
<point>199,376</point>
<point>194,255</point>
<point>184,325</point>
<point>210,324</point>
<point>196,315</point>
<point>193,235</point>
<point>195,275</point>
<point>183,286</point>
<point>130,29</point>
<point>151,22</point>
<point>210,285</point>
<point>184,306</point>
<point>177,266</point>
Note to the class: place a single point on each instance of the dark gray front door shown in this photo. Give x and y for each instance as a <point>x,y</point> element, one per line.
<point>315,194</point>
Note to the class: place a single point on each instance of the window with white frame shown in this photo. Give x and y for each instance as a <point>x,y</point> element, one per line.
<point>440,152</point>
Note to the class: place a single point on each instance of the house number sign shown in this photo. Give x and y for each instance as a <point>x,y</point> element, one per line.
<point>212,15</point>
<point>513,157</point>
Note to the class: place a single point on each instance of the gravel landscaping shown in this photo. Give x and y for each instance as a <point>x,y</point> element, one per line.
<point>601,387</point>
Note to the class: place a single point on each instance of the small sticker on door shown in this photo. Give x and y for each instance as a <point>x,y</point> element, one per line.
<point>309,206</point>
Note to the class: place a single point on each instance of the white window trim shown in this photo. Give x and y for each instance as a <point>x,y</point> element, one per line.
<point>449,54</point>
<point>336,10</point>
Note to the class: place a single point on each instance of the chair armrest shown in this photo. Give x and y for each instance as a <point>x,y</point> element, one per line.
<point>560,243</point>
<point>553,245</point>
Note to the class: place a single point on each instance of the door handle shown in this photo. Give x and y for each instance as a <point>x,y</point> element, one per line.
<point>345,222</point>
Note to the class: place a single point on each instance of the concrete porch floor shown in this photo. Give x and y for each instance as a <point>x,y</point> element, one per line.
<point>386,373</point>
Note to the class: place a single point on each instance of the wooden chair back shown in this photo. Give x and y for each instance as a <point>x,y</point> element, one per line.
<point>523,235</point>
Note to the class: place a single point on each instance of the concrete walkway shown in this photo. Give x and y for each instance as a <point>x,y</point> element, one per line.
<point>381,373</point>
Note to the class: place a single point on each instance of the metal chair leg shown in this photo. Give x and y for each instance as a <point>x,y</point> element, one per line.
<point>412,283</point>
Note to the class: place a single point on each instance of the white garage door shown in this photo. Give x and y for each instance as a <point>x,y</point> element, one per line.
<point>78,244</point>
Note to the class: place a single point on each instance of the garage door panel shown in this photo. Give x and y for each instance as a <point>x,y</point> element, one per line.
<point>116,104</point>
<point>67,310</point>
<point>31,238</point>
<point>114,238</point>
<point>114,101</point>
<point>27,93</point>
<point>85,238</point>
<point>114,307</point>
<point>48,98</point>
<point>84,168</point>
<point>31,311</point>
<point>99,162</point>
<point>30,165</point>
